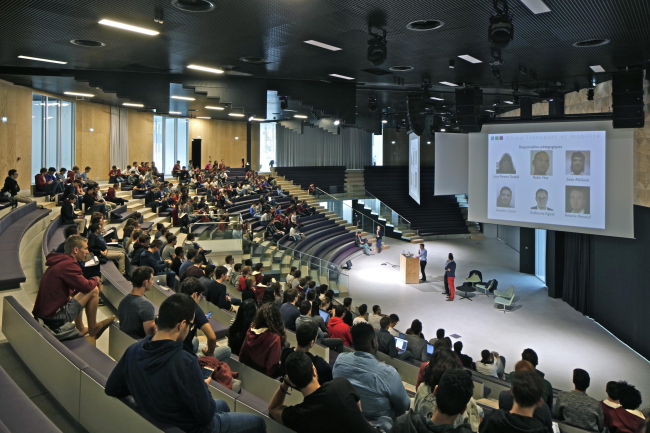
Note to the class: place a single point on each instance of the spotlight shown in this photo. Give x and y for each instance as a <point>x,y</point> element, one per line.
<point>337,122</point>
<point>372,103</point>
<point>590,95</point>
<point>377,51</point>
<point>500,31</point>
<point>452,64</point>
<point>284,102</point>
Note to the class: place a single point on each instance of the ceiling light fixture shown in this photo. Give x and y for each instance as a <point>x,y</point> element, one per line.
<point>470,59</point>
<point>597,68</point>
<point>377,50</point>
<point>203,117</point>
<point>38,59</point>
<point>490,111</point>
<point>337,122</point>
<point>322,45</point>
<point>536,6</point>
<point>508,102</point>
<point>501,30</point>
<point>437,99</point>
<point>424,25</point>
<point>442,129</point>
<point>131,104</point>
<point>258,119</point>
<point>236,114</point>
<point>300,116</point>
<point>591,43</point>
<point>205,69</point>
<point>85,95</point>
<point>193,5</point>
<point>447,83</point>
<point>184,98</point>
<point>129,27</point>
<point>384,121</point>
<point>212,107</point>
<point>341,76</point>
<point>87,43</point>
<point>174,112</point>
<point>452,64</point>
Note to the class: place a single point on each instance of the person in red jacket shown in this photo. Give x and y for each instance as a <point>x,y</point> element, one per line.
<point>245,272</point>
<point>337,328</point>
<point>64,292</point>
<point>264,341</point>
<point>112,196</point>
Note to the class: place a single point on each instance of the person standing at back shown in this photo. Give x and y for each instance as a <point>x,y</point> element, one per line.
<point>450,271</point>
<point>422,255</point>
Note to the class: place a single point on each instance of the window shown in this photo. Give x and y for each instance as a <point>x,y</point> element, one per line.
<point>267,145</point>
<point>378,149</point>
<point>540,254</point>
<point>53,133</point>
<point>170,138</point>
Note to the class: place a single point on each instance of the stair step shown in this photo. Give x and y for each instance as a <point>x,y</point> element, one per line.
<point>416,240</point>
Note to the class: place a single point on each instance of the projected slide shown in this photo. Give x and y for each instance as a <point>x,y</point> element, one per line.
<point>547,177</point>
<point>414,167</point>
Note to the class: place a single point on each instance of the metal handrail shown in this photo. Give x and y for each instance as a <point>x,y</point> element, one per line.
<point>391,209</point>
<point>353,209</point>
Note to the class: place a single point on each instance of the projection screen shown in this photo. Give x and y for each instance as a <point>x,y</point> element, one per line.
<point>570,176</point>
<point>414,167</point>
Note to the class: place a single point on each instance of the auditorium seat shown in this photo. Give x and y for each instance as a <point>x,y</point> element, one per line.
<point>13,227</point>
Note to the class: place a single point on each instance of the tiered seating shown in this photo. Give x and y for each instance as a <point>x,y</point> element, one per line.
<point>13,227</point>
<point>436,215</point>
<point>17,412</point>
<point>329,179</point>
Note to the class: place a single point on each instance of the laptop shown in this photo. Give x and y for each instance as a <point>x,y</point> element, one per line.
<point>429,350</point>
<point>402,335</point>
<point>401,345</point>
<point>325,315</point>
<point>161,280</point>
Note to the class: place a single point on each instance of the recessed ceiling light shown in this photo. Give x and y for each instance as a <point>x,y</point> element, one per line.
<point>130,104</point>
<point>597,68</point>
<point>401,68</point>
<point>236,138</point>
<point>536,6</point>
<point>300,116</point>
<point>205,69</point>
<point>392,142</point>
<point>424,25</point>
<point>341,76</point>
<point>174,112</point>
<point>470,59</point>
<point>508,102</point>
<point>337,122</point>
<point>258,119</point>
<point>591,43</point>
<point>87,43</point>
<point>490,111</point>
<point>200,117</point>
<point>437,99</point>
<point>38,59</point>
<point>442,129</point>
<point>129,27</point>
<point>322,45</point>
<point>86,95</point>
<point>193,5</point>
<point>447,83</point>
<point>384,121</point>
<point>236,114</point>
<point>212,107</point>
<point>184,98</point>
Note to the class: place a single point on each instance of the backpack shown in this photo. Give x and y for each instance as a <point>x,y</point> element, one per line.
<point>221,374</point>
<point>480,275</point>
<point>496,284</point>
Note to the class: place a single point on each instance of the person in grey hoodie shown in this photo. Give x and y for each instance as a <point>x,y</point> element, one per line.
<point>452,396</point>
<point>167,383</point>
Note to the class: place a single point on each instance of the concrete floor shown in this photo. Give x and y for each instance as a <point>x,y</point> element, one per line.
<point>563,338</point>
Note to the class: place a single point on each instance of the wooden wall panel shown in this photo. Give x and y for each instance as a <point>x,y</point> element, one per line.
<point>140,136</point>
<point>93,147</point>
<point>16,132</point>
<point>218,140</point>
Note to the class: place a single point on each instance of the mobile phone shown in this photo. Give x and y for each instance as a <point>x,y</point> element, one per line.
<point>207,372</point>
<point>207,316</point>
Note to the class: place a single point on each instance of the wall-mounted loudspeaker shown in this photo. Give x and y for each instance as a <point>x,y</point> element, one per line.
<point>627,99</point>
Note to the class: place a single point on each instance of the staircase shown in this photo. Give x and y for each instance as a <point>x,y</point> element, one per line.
<point>354,183</point>
<point>473,227</point>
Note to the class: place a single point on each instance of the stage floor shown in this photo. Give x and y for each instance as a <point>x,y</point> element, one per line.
<point>563,338</point>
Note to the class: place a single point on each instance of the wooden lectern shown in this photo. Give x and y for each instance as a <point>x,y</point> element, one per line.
<point>409,268</point>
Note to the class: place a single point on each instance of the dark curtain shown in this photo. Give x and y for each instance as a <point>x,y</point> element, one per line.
<point>577,290</point>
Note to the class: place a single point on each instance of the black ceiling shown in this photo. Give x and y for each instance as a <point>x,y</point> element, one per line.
<point>276,29</point>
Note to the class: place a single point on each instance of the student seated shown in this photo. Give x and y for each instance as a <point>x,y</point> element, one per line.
<point>215,290</point>
<point>48,183</point>
<point>331,406</point>
<point>627,418</point>
<point>111,195</point>
<point>336,328</point>
<point>490,363</point>
<point>97,245</point>
<point>526,388</point>
<point>64,293</point>
<point>386,342</point>
<point>196,270</point>
<point>306,338</point>
<point>167,383</point>
<point>241,324</point>
<point>142,244</point>
<point>379,385</point>
<point>69,231</point>
<point>137,315</point>
<point>151,257</point>
<point>69,216</point>
<point>452,395</point>
<point>576,408</point>
<point>264,340</point>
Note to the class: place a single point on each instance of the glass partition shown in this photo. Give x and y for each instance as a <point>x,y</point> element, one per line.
<point>218,234</point>
<point>384,212</point>
<point>345,210</point>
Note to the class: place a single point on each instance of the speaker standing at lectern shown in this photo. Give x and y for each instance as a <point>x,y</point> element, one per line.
<point>422,255</point>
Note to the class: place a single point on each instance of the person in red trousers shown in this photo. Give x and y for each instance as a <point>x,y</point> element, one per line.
<point>450,270</point>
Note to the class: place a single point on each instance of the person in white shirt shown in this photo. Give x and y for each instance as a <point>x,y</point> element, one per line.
<point>100,198</point>
<point>230,262</point>
<point>489,364</point>
<point>375,317</point>
<point>363,310</point>
<point>295,233</point>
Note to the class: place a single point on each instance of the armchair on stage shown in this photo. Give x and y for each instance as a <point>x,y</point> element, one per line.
<point>409,268</point>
